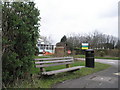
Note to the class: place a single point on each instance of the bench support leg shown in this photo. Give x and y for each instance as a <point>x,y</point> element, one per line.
<point>42,70</point>
<point>67,65</point>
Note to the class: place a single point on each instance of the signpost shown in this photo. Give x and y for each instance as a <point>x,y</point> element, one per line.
<point>84,46</point>
<point>69,52</point>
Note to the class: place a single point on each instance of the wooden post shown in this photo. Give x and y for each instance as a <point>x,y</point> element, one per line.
<point>42,69</point>
<point>67,65</point>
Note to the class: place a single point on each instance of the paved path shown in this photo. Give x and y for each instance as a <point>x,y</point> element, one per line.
<point>104,79</point>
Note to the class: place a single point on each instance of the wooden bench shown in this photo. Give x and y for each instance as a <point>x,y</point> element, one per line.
<point>47,62</point>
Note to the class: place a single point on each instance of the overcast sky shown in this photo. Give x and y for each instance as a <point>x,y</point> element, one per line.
<point>61,17</point>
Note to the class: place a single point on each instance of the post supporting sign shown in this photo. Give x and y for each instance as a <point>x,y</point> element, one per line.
<point>84,46</point>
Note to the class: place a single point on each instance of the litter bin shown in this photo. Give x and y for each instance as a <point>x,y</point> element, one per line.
<point>89,58</point>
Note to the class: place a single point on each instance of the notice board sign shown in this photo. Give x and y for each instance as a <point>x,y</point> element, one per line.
<point>84,46</point>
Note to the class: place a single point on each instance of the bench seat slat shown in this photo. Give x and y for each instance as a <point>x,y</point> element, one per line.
<point>42,62</point>
<point>62,70</point>
<point>53,58</point>
<point>48,65</point>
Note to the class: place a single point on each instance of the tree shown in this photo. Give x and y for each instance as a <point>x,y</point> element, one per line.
<point>46,39</point>
<point>95,39</point>
<point>117,46</point>
<point>20,34</point>
<point>63,39</point>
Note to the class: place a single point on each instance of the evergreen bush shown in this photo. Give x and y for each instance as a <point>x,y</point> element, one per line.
<point>20,33</point>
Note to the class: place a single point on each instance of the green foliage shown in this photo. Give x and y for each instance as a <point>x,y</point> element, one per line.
<point>118,45</point>
<point>36,51</point>
<point>102,53</point>
<point>70,46</point>
<point>63,39</point>
<point>20,34</point>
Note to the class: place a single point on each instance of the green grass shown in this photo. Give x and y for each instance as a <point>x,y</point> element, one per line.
<point>82,56</point>
<point>79,56</point>
<point>46,56</point>
<point>113,58</point>
<point>48,82</point>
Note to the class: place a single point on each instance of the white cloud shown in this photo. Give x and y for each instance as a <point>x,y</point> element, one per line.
<point>60,17</point>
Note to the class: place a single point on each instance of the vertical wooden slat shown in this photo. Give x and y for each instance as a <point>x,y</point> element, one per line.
<point>42,69</point>
<point>67,65</point>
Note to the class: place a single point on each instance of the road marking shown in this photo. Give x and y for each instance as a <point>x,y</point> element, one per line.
<point>101,78</point>
<point>111,62</point>
<point>117,74</point>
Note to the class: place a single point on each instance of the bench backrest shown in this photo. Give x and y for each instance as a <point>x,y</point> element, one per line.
<point>47,62</point>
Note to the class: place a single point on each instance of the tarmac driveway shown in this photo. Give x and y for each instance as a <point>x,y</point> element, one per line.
<point>104,79</point>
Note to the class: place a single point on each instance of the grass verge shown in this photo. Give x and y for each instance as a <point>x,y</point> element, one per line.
<point>48,82</point>
<point>113,58</point>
